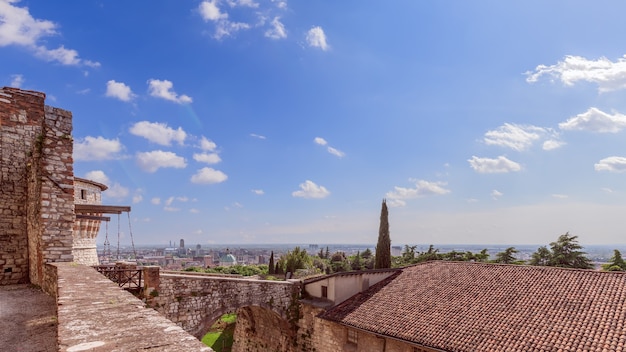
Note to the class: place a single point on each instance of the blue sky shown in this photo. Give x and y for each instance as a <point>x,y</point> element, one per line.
<point>248,121</point>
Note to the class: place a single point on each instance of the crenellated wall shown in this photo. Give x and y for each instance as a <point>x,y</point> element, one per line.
<point>36,186</point>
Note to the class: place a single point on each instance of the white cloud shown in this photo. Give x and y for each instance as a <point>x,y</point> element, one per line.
<point>64,56</point>
<point>155,200</point>
<point>154,160</point>
<point>244,3</point>
<point>331,150</point>
<point>422,189</point>
<point>559,196</point>
<point>258,192</point>
<point>280,4</point>
<point>163,90</point>
<point>137,198</point>
<point>207,144</point>
<point>257,136</point>
<point>210,12</point>
<point>169,201</point>
<point>336,152</point>
<point>18,27</point>
<point>207,175</point>
<point>495,194</point>
<point>608,75</point>
<point>98,176</point>
<point>119,90</point>
<point>117,191</point>
<point>209,158</point>
<point>516,137</point>
<point>316,38</point>
<point>490,166</point>
<point>195,211</point>
<point>310,190</point>
<point>16,81</point>
<point>611,164</point>
<point>171,209</point>
<point>552,144</point>
<point>595,120</point>
<point>96,148</point>
<point>227,28</point>
<point>320,141</point>
<point>158,133</point>
<point>277,31</point>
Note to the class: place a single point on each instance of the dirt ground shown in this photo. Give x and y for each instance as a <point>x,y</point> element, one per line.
<point>27,320</point>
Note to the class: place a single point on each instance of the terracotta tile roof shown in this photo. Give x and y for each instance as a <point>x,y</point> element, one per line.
<point>475,307</point>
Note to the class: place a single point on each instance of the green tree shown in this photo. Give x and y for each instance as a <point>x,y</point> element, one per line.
<point>483,256</point>
<point>566,253</point>
<point>271,266</point>
<point>383,248</point>
<point>616,262</point>
<point>542,257</point>
<point>506,257</point>
<point>367,254</point>
<point>430,254</point>
<point>294,260</point>
<point>356,262</point>
<point>408,255</point>
<point>339,262</point>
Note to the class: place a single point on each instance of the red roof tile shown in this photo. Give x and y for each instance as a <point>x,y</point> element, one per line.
<point>471,307</point>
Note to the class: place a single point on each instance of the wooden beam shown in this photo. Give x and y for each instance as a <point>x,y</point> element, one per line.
<point>100,209</point>
<point>92,217</point>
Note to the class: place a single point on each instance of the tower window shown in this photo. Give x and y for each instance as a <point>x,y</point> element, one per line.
<point>83,194</point>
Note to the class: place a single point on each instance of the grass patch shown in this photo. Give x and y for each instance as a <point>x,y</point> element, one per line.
<point>220,336</point>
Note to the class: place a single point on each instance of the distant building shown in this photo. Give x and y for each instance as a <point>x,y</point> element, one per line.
<point>396,250</point>
<point>228,260</point>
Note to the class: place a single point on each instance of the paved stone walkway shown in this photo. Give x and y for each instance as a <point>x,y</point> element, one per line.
<point>28,321</point>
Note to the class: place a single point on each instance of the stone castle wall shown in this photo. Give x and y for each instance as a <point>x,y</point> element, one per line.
<point>36,186</point>
<point>196,302</point>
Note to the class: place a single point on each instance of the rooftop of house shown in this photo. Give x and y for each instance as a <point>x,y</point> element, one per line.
<point>461,306</point>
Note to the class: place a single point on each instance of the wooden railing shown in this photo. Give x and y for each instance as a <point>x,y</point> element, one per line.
<point>128,279</point>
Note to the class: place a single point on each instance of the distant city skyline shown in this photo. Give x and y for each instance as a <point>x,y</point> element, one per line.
<point>244,121</point>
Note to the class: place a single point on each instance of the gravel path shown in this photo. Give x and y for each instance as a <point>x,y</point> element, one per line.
<point>27,320</point>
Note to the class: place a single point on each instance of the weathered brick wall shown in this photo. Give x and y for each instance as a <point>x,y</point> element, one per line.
<point>36,186</point>
<point>21,117</point>
<point>196,302</point>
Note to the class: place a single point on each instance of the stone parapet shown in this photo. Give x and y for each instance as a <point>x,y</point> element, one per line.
<point>94,314</point>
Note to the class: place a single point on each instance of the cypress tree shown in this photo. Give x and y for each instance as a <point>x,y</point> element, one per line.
<point>383,248</point>
<point>270,267</point>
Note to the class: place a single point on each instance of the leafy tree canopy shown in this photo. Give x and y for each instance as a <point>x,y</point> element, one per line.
<point>616,262</point>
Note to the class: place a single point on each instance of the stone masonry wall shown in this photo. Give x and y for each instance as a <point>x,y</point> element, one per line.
<point>260,330</point>
<point>21,117</point>
<point>36,186</point>
<point>195,302</point>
